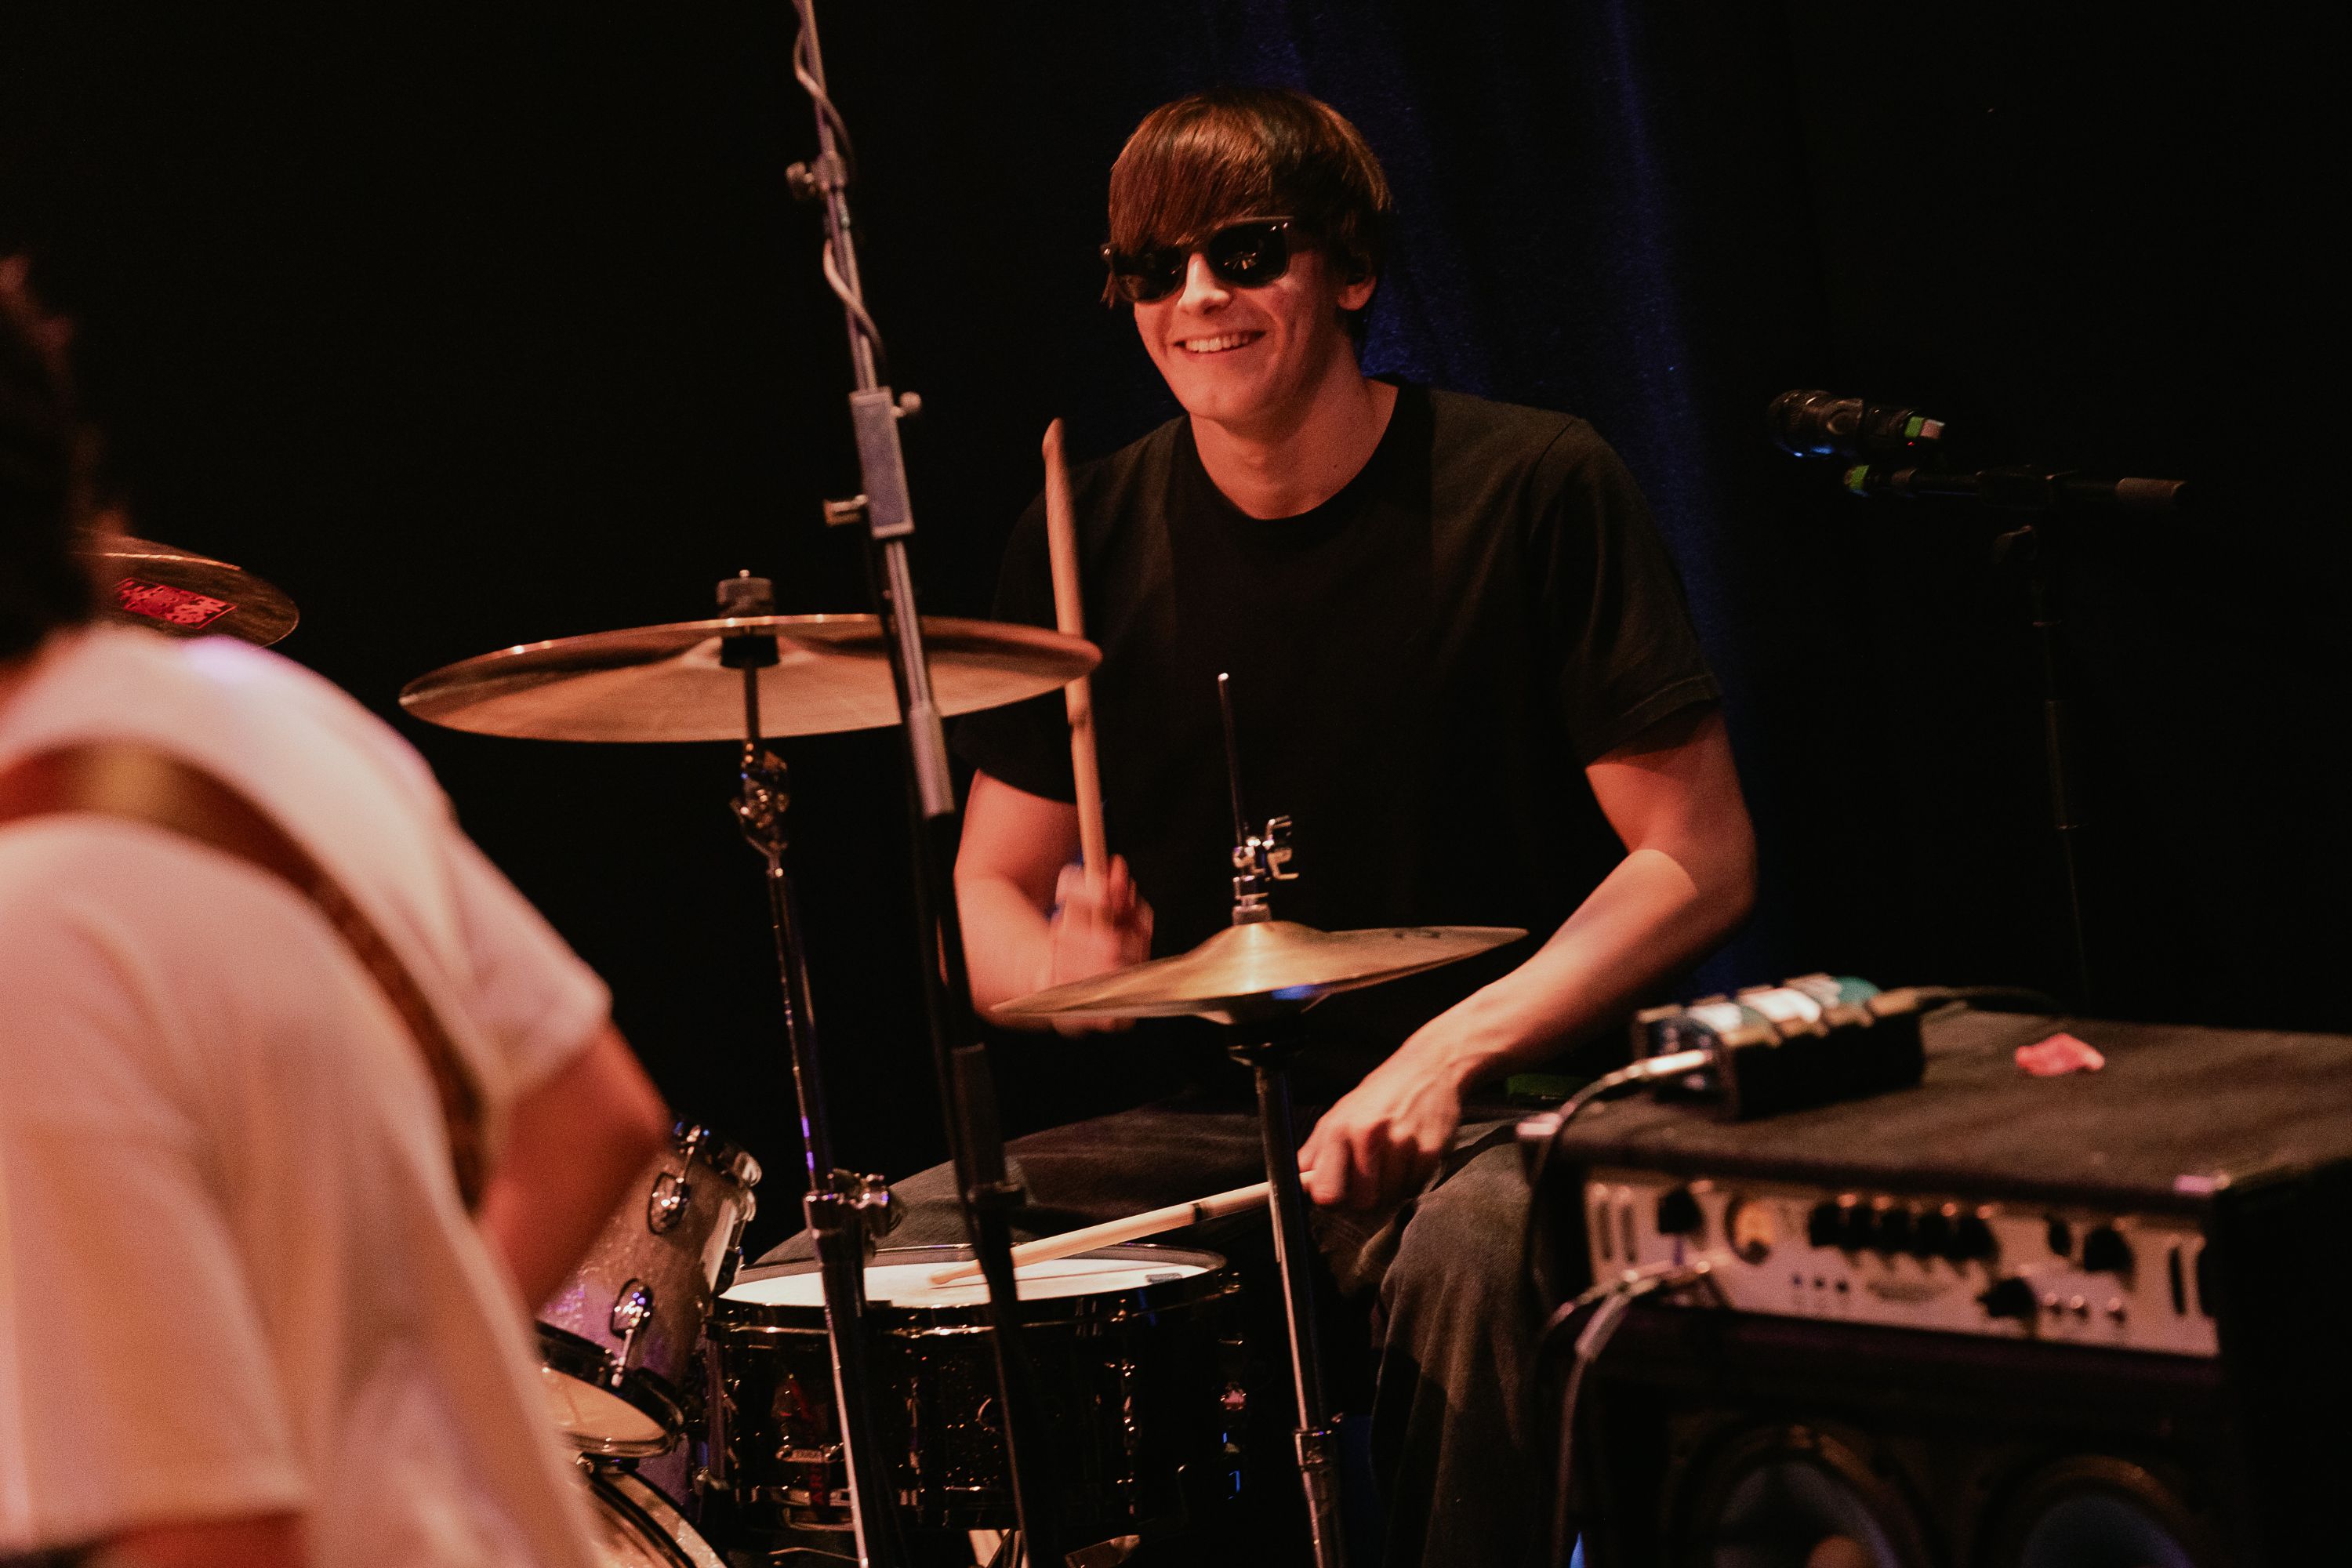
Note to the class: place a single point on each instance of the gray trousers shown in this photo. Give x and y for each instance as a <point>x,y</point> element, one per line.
<point>1437,1281</point>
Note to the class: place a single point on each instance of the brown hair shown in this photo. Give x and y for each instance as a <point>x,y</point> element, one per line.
<point>45,473</point>
<point>1241,152</point>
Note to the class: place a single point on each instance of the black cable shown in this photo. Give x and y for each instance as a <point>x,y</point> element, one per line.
<point>1926,998</point>
<point>816,91</point>
<point>1647,1070</point>
<point>845,156</point>
<point>1991,998</point>
<point>1614,1297</point>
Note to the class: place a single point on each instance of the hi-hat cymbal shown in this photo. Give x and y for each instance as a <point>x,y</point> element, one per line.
<point>187,594</point>
<point>666,683</point>
<point>1261,969</point>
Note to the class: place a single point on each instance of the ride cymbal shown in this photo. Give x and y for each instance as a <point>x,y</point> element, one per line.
<point>186,595</point>
<point>666,683</point>
<point>1262,968</point>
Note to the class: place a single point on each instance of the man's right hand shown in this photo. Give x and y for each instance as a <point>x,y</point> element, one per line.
<point>1099,924</point>
<point>1031,919</point>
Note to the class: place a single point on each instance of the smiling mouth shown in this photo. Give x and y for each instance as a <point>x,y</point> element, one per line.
<point>1219,344</point>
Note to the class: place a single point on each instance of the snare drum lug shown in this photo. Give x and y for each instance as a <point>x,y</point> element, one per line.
<point>632,1307</point>
<point>630,1310</point>
<point>665,1205</point>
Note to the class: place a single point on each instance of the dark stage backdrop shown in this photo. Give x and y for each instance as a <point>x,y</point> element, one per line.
<point>472,325</point>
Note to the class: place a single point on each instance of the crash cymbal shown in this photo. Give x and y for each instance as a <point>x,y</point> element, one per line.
<point>186,595</point>
<point>1256,970</point>
<point>666,682</point>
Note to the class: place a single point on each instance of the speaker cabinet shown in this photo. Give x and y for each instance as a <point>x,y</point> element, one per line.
<point>1709,1439</point>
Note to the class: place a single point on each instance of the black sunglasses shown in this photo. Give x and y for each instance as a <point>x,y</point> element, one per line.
<point>1247,254</point>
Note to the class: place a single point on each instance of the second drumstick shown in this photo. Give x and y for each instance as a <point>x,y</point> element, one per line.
<point>1111,1233</point>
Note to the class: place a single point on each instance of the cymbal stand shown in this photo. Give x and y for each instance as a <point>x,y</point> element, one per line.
<point>1266,1045</point>
<point>844,1210</point>
<point>975,1139</point>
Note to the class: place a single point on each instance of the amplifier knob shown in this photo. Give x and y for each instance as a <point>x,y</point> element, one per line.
<point>1897,1228</point>
<point>1748,1226</point>
<point>2010,1297</point>
<point>1932,1236</point>
<point>1971,1238</point>
<point>1678,1213</point>
<point>1823,1226</point>
<point>2106,1251</point>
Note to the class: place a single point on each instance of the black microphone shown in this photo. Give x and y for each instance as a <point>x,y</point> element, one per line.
<point>1818,424</point>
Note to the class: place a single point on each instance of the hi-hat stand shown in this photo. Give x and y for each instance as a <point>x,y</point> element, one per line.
<point>1265,1041</point>
<point>845,1212</point>
<point>975,1141</point>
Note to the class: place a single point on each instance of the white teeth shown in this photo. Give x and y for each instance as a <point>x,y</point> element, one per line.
<point>1218,344</point>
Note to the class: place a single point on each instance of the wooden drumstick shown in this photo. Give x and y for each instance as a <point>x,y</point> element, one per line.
<point>1111,1233</point>
<point>1070,618</point>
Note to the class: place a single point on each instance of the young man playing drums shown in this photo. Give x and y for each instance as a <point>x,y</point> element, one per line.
<point>1460,662</point>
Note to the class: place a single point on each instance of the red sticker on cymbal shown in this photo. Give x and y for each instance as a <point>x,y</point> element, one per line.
<point>173,606</point>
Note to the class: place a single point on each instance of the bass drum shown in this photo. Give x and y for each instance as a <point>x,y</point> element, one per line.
<point>637,1527</point>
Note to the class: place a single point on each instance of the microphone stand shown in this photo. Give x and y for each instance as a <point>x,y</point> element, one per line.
<point>2038,494</point>
<point>975,1141</point>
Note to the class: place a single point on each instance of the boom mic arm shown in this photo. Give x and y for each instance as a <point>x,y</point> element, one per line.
<point>2023,489</point>
<point>1900,451</point>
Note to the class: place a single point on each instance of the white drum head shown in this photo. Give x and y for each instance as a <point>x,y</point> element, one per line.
<point>595,1420</point>
<point>910,1284</point>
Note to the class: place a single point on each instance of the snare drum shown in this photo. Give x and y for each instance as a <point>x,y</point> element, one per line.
<point>617,1342</point>
<point>1139,1363</point>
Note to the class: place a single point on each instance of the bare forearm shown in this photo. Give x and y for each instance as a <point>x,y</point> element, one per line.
<point>1689,876</point>
<point>572,1148</point>
<point>1650,917</point>
<point>271,1540</point>
<point>1005,938</point>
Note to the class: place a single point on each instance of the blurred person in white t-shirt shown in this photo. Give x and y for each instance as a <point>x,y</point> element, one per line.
<point>246,1316</point>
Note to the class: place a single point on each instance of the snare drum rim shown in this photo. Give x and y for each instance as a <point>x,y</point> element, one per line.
<point>643,1505</point>
<point>648,1392</point>
<point>723,1155</point>
<point>1216,1279</point>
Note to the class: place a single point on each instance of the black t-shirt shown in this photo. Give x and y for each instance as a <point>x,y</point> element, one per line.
<point>1421,668</point>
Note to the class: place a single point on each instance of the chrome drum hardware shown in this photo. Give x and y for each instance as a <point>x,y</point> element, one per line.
<point>617,1342</point>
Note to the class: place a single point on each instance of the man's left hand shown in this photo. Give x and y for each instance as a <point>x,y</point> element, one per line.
<point>1384,1137</point>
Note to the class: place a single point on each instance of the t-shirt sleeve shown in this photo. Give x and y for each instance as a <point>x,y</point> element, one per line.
<point>136,1383</point>
<point>532,998</point>
<point>529,999</point>
<point>1621,644</point>
<point>1026,744</point>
